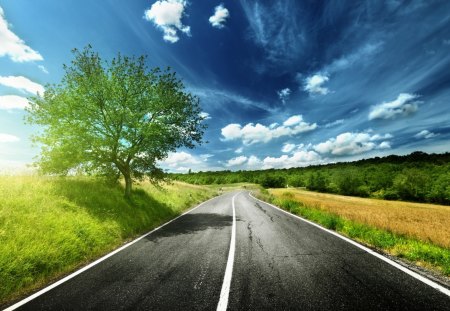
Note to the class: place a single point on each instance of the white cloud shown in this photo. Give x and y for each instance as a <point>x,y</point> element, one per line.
<point>167,15</point>
<point>43,69</point>
<point>23,84</point>
<point>9,102</point>
<point>204,115</point>
<point>288,148</point>
<point>352,143</point>
<point>236,161</point>
<point>174,159</point>
<point>239,150</point>
<point>206,156</point>
<point>257,133</point>
<point>404,105</point>
<point>298,158</point>
<point>14,47</point>
<point>8,138</point>
<point>254,162</point>
<point>284,94</point>
<point>314,84</point>
<point>293,120</point>
<point>334,123</point>
<point>220,16</point>
<point>425,134</point>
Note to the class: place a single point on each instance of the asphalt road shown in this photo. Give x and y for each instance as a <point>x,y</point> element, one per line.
<point>279,263</point>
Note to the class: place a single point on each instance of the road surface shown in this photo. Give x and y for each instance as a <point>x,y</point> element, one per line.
<point>273,262</point>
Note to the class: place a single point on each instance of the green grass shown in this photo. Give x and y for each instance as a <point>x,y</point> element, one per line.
<point>49,226</point>
<point>419,252</point>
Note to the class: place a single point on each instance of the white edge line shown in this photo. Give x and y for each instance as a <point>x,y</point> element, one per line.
<point>225,292</point>
<point>368,250</point>
<point>70,276</point>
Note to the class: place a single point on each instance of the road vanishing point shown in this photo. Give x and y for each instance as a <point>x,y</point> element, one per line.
<point>235,252</point>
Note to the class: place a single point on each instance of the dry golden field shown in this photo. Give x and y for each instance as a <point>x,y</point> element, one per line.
<point>426,222</point>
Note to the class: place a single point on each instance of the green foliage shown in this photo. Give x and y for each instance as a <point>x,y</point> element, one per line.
<point>50,226</point>
<point>416,177</point>
<point>112,118</point>
<point>268,181</point>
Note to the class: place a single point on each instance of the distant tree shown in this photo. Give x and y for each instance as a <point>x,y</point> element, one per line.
<point>113,118</point>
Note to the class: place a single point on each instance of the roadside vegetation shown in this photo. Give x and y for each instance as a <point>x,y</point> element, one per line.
<point>417,232</point>
<point>417,177</point>
<point>50,226</point>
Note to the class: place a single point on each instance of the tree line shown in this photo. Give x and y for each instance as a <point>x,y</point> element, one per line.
<point>418,177</point>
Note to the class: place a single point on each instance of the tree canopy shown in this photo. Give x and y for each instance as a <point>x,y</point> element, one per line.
<point>113,118</point>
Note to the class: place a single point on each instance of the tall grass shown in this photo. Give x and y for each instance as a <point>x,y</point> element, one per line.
<point>420,252</point>
<point>50,226</point>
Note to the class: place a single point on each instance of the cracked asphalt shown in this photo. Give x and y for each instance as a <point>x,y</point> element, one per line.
<point>280,263</point>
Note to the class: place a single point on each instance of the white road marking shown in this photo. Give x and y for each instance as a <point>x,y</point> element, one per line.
<point>70,276</point>
<point>225,292</point>
<point>368,250</point>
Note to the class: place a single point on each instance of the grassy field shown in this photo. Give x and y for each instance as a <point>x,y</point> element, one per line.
<point>417,232</point>
<point>50,226</point>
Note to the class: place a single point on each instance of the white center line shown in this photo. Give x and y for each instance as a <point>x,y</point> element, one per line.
<point>224,293</point>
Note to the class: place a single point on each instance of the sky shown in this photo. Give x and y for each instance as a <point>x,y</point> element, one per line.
<point>281,83</point>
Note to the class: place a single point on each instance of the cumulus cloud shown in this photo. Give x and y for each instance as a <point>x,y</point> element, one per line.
<point>174,159</point>
<point>9,102</point>
<point>404,105</point>
<point>288,148</point>
<point>298,158</point>
<point>236,161</point>
<point>220,16</point>
<point>239,150</point>
<point>314,84</point>
<point>284,94</point>
<point>14,47</point>
<point>425,134</point>
<point>23,84</point>
<point>8,138</point>
<point>258,133</point>
<point>353,143</point>
<point>167,15</point>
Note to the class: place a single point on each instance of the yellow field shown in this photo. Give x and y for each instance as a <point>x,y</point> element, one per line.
<point>426,222</point>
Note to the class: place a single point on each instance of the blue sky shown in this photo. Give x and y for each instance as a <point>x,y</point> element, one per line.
<point>284,83</point>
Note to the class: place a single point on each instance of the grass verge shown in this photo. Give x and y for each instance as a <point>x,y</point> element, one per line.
<point>419,252</point>
<point>51,226</point>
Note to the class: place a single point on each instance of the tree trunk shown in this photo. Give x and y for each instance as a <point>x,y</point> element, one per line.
<point>128,184</point>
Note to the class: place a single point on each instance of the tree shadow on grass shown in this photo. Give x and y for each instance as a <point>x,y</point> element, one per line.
<point>106,202</point>
<point>191,223</point>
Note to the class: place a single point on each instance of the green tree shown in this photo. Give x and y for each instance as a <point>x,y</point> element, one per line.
<point>113,118</point>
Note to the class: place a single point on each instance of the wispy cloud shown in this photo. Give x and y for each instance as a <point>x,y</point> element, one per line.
<point>8,138</point>
<point>43,69</point>
<point>220,16</point>
<point>167,16</point>
<point>258,133</point>
<point>276,28</point>
<point>334,123</point>
<point>23,84</point>
<point>13,46</point>
<point>205,115</point>
<point>9,102</point>
<point>404,105</point>
<point>425,134</point>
